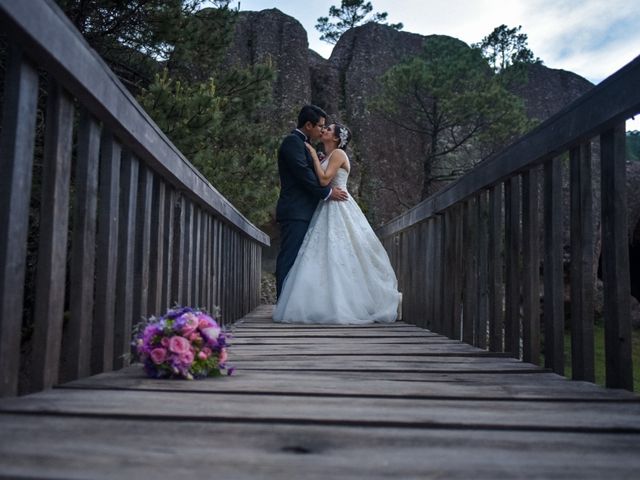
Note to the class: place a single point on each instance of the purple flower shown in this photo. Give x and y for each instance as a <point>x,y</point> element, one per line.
<point>178,311</point>
<point>179,344</point>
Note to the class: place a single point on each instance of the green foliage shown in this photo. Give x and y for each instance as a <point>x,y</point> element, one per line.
<point>221,134</point>
<point>172,54</point>
<point>506,46</point>
<point>350,14</point>
<point>449,96</point>
<point>633,146</point>
<point>202,44</point>
<point>131,36</point>
<point>600,355</point>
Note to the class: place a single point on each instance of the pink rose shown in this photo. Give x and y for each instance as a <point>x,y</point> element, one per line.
<point>158,355</point>
<point>223,355</point>
<point>186,358</point>
<point>191,323</point>
<point>164,342</point>
<point>179,345</point>
<point>195,337</point>
<point>202,355</point>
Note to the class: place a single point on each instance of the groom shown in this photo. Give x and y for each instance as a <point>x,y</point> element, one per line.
<point>300,190</point>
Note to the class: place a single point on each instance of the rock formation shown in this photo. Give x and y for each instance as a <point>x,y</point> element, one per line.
<point>271,36</point>
<point>387,173</point>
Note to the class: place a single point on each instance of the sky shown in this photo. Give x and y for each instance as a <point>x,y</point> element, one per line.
<point>593,38</point>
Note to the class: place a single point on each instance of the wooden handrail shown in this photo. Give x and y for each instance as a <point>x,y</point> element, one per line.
<point>49,37</point>
<point>147,230</point>
<point>469,258</point>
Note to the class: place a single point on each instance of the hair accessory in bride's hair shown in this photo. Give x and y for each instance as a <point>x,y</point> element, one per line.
<point>344,136</point>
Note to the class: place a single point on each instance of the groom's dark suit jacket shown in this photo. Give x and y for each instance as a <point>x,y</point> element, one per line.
<point>299,186</point>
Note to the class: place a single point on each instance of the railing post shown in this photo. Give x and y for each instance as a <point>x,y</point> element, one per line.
<point>168,235</point>
<point>177,279</point>
<point>422,285</point>
<point>553,271</point>
<point>430,297</point>
<point>438,262</point>
<point>512,266</point>
<point>82,283</point>
<point>197,260</point>
<point>217,257</point>
<point>206,244</point>
<point>615,260</point>
<point>458,272</point>
<point>52,242</point>
<point>495,263</point>
<point>187,289</point>
<point>126,251</point>
<point>156,250</point>
<point>407,245</point>
<point>531,267</point>
<point>582,281</point>
<point>143,243</point>
<point>449,274</point>
<point>16,160</point>
<point>470,272</point>
<point>403,267</point>
<point>106,255</point>
<point>481,246</point>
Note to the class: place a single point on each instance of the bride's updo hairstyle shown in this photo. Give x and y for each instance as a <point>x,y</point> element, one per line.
<point>342,133</point>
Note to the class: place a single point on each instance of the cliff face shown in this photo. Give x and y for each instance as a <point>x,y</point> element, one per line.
<point>387,160</point>
<point>271,36</point>
<point>387,173</point>
<point>546,90</point>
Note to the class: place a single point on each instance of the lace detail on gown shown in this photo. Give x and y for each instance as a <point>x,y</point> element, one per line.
<point>342,274</point>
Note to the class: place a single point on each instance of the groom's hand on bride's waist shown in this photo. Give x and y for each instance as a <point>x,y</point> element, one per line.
<point>338,194</point>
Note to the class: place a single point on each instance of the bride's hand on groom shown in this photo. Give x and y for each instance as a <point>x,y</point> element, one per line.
<point>310,148</point>
<point>338,194</point>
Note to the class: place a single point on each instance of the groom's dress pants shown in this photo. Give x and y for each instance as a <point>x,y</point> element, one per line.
<point>292,234</point>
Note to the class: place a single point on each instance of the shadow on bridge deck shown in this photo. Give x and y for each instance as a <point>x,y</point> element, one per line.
<point>328,401</point>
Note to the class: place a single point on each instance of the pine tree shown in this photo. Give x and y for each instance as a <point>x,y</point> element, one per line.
<point>350,14</point>
<point>170,54</point>
<point>449,96</point>
<point>214,114</point>
<point>506,46</point>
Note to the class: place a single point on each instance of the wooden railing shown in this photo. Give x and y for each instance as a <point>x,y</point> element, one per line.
<point>473,260</point>
<point>145,229</point>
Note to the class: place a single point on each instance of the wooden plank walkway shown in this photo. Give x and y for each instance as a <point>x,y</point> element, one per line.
<point>320,402</point>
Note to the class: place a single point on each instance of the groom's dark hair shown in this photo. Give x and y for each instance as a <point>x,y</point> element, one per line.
<point>310,113</point>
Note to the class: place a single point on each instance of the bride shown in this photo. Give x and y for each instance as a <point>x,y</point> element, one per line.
<point>342,274</point>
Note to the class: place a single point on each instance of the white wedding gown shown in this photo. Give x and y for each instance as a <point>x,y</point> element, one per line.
<point>342,274</point>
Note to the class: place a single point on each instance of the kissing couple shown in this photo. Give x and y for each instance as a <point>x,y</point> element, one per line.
<point>331,267</point>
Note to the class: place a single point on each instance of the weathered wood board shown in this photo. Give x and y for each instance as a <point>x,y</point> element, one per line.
<point>344,402</point>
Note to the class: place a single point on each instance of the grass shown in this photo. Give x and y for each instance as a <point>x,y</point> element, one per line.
<point>598,331</point>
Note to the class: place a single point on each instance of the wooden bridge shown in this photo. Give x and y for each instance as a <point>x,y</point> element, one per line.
<point>329,402</point>
<point>127,226</point>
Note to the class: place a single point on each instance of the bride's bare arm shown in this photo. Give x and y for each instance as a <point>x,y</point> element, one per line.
<point>337,160</point>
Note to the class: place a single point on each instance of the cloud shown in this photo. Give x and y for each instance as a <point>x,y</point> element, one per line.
<point>590,37</point>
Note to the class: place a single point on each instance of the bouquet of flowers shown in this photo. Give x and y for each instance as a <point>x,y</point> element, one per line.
<point>183,343</point>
